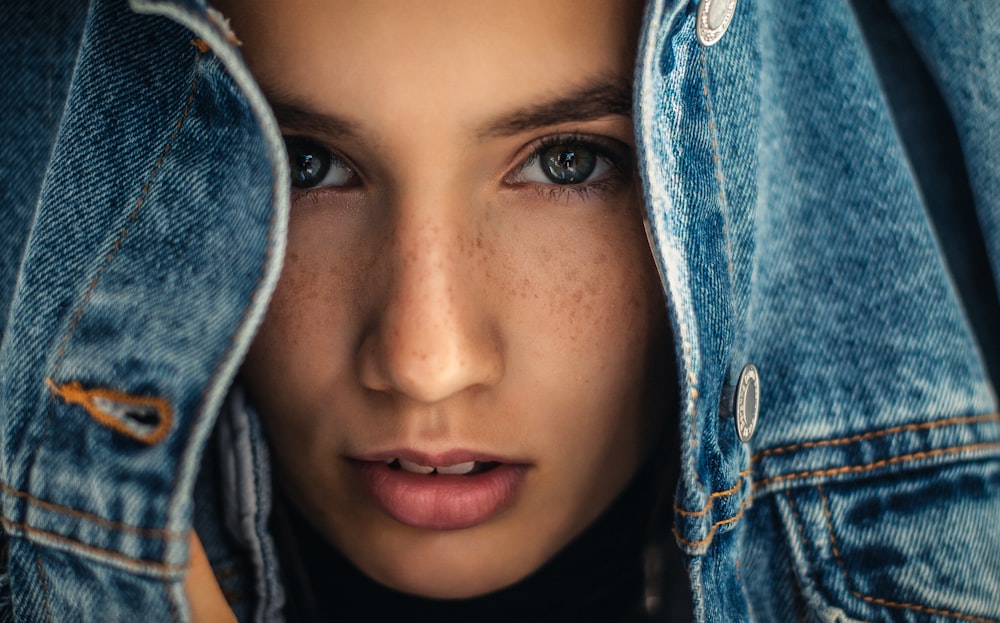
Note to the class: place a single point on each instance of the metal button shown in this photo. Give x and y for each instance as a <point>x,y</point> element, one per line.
<point>747,405</point>
<point>714,17</point>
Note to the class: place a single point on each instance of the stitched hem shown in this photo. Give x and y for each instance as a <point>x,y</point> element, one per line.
<point>711,499</point>
<point>895,460</point>
<point>154,533</point>
<point>973,419</point>
<point>159,568</point>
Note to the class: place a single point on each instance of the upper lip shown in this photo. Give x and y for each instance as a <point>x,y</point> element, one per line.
<point>437,459</point>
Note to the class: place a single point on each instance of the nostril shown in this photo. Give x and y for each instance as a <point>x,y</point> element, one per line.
<point>406,362</point>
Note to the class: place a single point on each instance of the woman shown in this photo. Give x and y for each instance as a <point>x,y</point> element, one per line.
<point>411,240</point>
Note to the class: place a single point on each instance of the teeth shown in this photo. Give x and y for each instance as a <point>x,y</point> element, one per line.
<point>457,469</point>
<point>416,468</point>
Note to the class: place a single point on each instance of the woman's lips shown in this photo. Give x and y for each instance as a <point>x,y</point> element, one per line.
<point>438,500</point>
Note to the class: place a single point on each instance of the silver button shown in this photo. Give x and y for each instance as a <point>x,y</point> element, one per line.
<point>714,17</point>
<point>747,405</point>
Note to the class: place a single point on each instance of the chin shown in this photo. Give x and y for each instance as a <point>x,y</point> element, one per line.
<point>443,587</point>
<point>455,565</point>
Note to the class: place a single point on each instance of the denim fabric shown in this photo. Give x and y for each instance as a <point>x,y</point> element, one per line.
<point>787,224</point>
<point>158,238</point>
<point>42,38</point>
<point>792,234</point>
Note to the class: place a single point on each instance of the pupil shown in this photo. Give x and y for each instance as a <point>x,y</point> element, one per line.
<point>306,168</point>
<point>307,164</point>
<point>569,165</point>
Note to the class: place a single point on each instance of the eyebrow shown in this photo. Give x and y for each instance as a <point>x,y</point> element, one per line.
<point>593,100</point>
<point>302,118</point>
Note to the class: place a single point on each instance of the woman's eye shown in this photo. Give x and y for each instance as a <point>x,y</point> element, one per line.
<point>564,164</point>
<point>313,166</point>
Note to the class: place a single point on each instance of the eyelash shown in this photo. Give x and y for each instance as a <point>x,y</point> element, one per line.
<point>615,154</point>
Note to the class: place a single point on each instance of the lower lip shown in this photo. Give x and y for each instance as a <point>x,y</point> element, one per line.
<point>441,502</point>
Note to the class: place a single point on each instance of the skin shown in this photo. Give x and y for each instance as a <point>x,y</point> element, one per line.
<point>205,598</point>
<point>446,298</point>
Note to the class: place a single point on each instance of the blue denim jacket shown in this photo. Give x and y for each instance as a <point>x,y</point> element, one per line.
<point>144,202</point>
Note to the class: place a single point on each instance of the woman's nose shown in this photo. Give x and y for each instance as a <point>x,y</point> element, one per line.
<point>433,334</point>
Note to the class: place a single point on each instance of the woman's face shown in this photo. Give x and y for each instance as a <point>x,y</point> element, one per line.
<point>467,285</point>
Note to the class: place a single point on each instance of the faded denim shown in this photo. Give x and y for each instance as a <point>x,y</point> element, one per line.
<point>786,220</point>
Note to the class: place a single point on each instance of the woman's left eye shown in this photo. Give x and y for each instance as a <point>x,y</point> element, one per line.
<point>568,162</point>
<point>313,166</point>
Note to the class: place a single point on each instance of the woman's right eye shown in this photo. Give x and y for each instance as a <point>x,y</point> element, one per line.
<point>313,166</point>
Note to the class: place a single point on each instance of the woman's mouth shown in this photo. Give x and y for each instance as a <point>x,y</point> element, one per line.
<point>443,494</point>
<point>466,468</point>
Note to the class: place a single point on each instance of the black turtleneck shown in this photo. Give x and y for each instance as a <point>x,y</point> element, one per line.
<point>599,576</point>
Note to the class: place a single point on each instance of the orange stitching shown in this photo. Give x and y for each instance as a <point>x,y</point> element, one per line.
<point>74,393</point>
<point>885,602</point>
<point>201,44</point>
<point>45,588</point>
<point>713,497</point>
<point>743,588</point>
<point>101,521</point>
<point>711,532</point>
<point>879,433</point>
<point>835,471</point>
<point>829,524</point>
<point>132,217</point>
<point>160,567</point>
<point>798,524</point>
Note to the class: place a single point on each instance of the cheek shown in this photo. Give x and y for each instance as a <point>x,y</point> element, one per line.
<point>304,328</point>
<point>598,298</point>
<point>591,321</point>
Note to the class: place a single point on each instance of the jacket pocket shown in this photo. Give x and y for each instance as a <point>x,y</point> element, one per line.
<point>917,545</point>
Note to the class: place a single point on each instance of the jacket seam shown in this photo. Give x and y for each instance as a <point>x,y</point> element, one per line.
<point>163,569</point>
<point>707,539</point>
<point>133,216</point>
<point>717,161</point>
<point>43,580</point>
<point>91,517</point>
<point>715,495</point>
<point>916,426</point>
<point>799,525</point>
<point>851,469</point>
<point>878,600</point>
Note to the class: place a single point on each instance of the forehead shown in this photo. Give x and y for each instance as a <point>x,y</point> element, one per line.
<point>433,57</point>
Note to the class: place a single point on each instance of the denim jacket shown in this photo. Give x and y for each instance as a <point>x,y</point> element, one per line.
<point>793,196</point>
